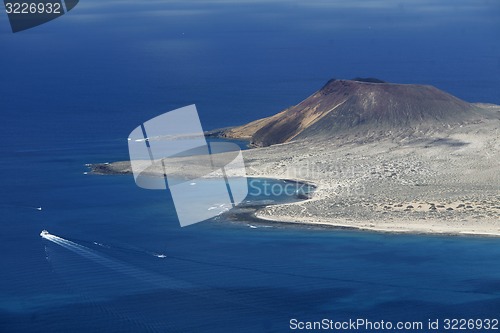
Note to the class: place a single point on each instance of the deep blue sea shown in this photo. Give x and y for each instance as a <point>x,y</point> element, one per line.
<point>73,89</point>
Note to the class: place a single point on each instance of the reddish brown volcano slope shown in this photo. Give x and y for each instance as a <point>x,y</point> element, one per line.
<point>344,107</point>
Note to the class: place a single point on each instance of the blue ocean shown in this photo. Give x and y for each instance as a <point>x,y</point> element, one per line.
<point>73,89</point>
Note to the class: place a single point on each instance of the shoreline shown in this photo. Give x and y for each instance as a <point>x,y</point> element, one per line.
<point>251,215</point>
<point>364,228</point>
<point>259,214</point>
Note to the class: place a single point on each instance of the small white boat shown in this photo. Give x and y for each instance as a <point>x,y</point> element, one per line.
<point>44,233</point>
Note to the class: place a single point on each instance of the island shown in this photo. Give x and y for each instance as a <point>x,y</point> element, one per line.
<point>383,157</point>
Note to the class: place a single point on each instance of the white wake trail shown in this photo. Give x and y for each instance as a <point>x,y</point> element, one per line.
<point>149,277</point>
<point>240,299</point>
<point>39,208</point>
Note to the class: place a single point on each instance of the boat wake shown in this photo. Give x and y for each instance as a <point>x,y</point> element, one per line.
<point>96,285</point>
<point>157,280</point>
<point>39,208</point>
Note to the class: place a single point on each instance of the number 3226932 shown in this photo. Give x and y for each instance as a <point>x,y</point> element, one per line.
<point>32,8</point>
